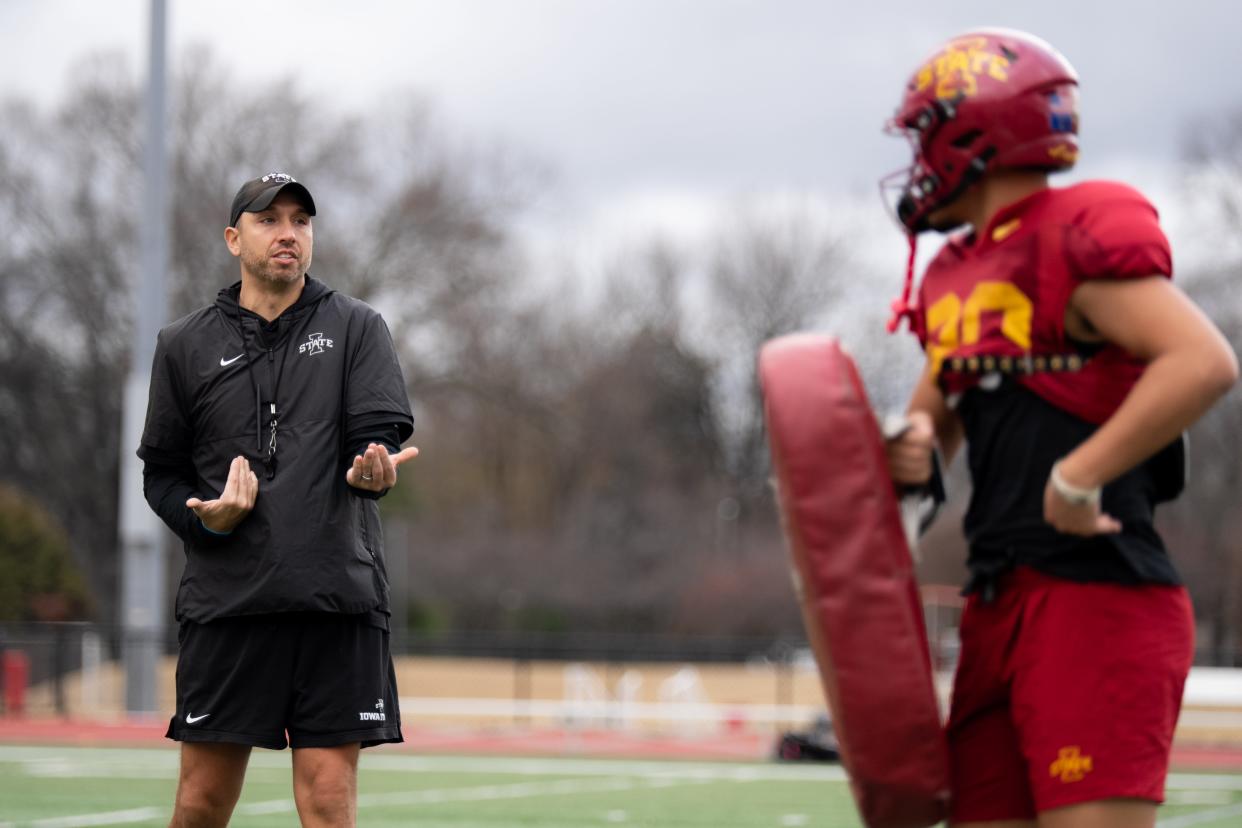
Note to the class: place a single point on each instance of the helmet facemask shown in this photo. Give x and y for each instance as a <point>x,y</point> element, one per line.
<point>943,167</point>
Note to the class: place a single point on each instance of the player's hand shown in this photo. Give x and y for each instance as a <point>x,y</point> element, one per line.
<point>375,469</point>
<point>224,513</point>
<point>910,452</point>
<point>1076,518</point>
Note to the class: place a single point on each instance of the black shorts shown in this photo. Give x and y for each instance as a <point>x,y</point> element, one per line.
<point>324,679</point>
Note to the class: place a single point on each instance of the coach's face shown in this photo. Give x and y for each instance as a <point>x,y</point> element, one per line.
<point>274,245</point>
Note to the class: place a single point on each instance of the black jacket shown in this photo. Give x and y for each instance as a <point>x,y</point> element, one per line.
<point>327,372</point>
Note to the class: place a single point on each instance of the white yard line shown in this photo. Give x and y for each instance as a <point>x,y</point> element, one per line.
<point>488,793</point>
<point>1200,817</point>
<point>107,818</point>
<point>1196,798</point>
<point>479,793</point>
<point>1204,782</point>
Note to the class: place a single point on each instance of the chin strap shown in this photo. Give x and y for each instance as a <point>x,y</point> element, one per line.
<point>901,307</point>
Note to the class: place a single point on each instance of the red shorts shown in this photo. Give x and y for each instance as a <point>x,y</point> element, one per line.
<point>1065,693</point>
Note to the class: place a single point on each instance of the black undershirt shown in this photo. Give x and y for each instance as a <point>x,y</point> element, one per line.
<point>1014,436</point>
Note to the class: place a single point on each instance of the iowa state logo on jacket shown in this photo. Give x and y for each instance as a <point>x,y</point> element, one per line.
<point>315,343</point>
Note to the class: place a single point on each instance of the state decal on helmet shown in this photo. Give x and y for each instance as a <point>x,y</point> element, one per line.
<point>988,99</point>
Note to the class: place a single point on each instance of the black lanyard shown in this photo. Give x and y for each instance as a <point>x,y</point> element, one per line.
<point>270,460</point>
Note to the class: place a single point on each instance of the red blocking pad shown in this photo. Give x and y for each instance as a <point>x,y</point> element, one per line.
<point>855,581</point>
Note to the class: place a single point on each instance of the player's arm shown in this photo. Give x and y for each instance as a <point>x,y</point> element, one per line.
<point>1189,366</point>
<point>932,424</point>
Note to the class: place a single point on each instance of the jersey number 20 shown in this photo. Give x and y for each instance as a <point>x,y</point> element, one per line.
<point>952,323</point>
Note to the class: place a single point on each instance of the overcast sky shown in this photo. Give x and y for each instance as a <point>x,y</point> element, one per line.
<point>658,111</point>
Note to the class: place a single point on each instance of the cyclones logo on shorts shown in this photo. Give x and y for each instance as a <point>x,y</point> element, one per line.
<point>1070,765</point>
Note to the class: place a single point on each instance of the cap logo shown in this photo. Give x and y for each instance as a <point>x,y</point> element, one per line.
<point>278,178</point>
<point>955,72</point>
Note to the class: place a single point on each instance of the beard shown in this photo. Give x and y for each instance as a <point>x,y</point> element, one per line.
<point>261,267</point>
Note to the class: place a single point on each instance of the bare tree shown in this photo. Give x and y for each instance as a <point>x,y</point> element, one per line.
<point>585,464</point>
<point>1204,527</point>
<point>69,196</point>
<point>66,197</point>
<point>595,501</point>
<point>771,270</point>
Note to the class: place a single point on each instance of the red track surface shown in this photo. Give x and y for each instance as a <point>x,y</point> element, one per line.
<point>740,746</point>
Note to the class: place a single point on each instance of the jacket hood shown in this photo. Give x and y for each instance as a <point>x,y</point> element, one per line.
<point>313,293</point>
<point>278,330</point>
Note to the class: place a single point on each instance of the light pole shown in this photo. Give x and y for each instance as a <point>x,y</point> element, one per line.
<point>142,562</point>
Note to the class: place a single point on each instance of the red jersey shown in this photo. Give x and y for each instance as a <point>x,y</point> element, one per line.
<point>1001,295</point>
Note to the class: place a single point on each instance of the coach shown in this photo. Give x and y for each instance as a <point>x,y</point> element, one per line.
<point>275,421</point>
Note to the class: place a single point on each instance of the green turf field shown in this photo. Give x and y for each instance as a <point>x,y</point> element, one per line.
<point>63,787</point>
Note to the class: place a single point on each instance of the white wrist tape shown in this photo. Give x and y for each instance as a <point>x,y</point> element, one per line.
<point>1074,495</point>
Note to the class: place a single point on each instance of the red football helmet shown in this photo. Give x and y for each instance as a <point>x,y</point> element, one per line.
<point>987,99</point>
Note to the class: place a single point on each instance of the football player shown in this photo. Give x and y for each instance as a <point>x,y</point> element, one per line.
<point>1064,358</point>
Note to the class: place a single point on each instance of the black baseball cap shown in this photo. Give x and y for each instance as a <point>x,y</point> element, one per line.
<point>257,193</point>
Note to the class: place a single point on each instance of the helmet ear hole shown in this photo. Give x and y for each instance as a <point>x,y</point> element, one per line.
<point>967,138</point>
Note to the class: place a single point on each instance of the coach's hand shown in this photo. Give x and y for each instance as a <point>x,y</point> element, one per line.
<point>375,469</point>
<point>910,452</point>
<point>224,513</point>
